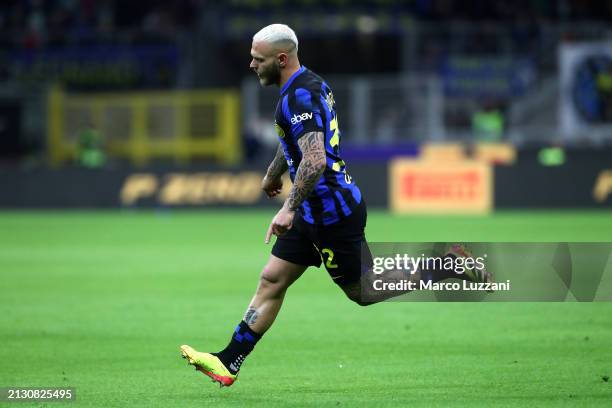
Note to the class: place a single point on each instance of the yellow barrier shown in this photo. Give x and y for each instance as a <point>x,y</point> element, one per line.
<point>141,126</point>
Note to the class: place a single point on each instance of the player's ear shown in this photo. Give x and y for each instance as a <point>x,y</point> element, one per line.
<point>282,59</point>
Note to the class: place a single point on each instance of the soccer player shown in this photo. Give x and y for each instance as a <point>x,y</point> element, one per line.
<point>324,216</point>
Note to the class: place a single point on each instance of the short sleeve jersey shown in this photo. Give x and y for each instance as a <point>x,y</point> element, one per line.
<point>306,105</point>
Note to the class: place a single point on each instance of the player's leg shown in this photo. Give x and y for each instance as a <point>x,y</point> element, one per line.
<point>276,276</point>
<point>353,273</point>
<point>360,286</point>
<point>274,280</point>
<point>348,260</point>
<point>292,253</point>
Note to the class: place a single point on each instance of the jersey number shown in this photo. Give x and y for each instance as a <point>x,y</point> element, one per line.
<point>335,139</point>
<point>330,258</point>
<point>333,142</point>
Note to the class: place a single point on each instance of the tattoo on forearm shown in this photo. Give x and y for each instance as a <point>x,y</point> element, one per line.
<point>278,165</point>
<point>251,315</point>
<point>310,169</point>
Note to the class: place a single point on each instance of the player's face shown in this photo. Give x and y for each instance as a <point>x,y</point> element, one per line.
<point>265,64</point>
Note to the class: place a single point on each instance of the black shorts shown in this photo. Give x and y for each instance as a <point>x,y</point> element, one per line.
<point>338,246</point>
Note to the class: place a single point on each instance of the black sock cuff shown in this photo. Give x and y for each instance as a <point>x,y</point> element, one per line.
<point>243,331</point>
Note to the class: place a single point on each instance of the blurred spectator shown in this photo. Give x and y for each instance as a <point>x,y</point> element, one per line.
<point>488,123</point>
<point>90,152</point>
<point>35,24</point>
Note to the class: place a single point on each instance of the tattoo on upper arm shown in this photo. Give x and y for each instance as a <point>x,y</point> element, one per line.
<point>278,165</point>
<point>310,169</point>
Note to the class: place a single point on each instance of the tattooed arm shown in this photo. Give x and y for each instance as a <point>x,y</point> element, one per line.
<point>310,169</point>
<point>308,173</point>
<point>272,183</point>
<point>278,165</point>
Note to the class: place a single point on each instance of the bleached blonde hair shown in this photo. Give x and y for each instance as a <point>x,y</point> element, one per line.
<point>275,33</point>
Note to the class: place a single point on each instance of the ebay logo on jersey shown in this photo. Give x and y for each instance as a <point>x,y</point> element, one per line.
<point>298,118</point>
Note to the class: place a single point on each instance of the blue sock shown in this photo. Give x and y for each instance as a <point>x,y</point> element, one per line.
<point>241,344</point>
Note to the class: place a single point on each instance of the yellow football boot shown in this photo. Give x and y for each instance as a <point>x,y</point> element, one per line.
<point>209,365</point>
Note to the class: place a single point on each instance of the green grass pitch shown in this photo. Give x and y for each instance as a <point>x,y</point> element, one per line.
<point>101,301</point>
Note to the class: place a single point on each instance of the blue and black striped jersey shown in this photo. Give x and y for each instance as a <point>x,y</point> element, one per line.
<point>307,105</point>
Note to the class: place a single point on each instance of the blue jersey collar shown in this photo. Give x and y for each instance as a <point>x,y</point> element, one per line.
<point>290,80</point>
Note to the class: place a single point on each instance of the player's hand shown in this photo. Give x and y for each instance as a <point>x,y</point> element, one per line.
<point>281,223</point>
<point>272,186</point>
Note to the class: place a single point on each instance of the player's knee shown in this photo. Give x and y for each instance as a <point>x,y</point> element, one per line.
<point>269,276</point>
<point>354,294</point>
<point>271,280</point>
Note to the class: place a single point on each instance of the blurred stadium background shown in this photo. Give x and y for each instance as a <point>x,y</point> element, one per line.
<point>134,98</point>
<point>495,116</point>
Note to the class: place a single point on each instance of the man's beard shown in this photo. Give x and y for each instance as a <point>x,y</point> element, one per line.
<point>271,76</point>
